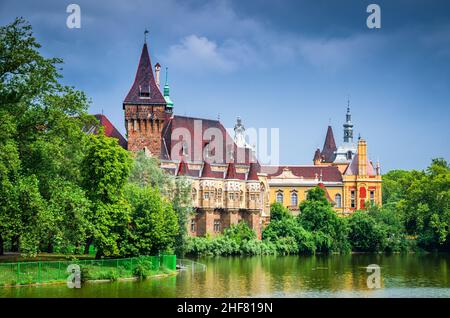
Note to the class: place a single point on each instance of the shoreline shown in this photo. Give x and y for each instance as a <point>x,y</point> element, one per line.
<point>94,281</point>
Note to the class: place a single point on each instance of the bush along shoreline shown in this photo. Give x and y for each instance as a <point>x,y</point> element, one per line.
<point>316,230</point>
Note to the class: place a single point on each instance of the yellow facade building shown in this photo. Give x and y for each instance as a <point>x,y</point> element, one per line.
<point>349,178</point>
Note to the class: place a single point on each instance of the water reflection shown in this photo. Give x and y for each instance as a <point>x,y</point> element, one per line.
<point>270,276</point>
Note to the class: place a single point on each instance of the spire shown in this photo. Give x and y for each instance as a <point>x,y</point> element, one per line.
<point>329,146</point>
<point>348,126</point>
<point>144,90</point>
<point>253,171</point>
<point>169,102</point>
<point>231,171</point>
<point>206,171</point>
<point>183,169</point>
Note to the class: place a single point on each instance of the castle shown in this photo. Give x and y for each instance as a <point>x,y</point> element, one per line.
<point>228,183</point>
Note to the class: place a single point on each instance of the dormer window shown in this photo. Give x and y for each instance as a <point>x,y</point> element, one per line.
<point>145,94</point>
<point>349,155</point>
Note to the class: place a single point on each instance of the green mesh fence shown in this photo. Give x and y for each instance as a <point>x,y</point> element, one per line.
<point>23,273</point>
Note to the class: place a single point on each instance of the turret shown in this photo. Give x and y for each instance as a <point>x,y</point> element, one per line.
<point>169,102</point>
<point>348,126</point>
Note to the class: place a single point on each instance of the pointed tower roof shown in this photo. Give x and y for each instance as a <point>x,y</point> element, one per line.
<point>329,146</point>
<point>231,171</point>
<point>183,169</point>
<point>253,171</point>
<point>208,173</point>
<point>144,90</point>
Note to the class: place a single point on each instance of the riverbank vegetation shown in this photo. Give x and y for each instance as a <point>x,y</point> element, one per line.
<point>415,216</point>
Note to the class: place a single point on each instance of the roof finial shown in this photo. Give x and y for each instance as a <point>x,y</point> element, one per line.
<point>167,72</point>
<point>348,103</point>
<point>145,36</point>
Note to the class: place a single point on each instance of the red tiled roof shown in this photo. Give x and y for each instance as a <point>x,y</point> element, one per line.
<point>208,173</point>
<point>329,146</point>
<point>253,171</point>
<point>144,82</point>
<point>329,173</point>
<point>231,171</point>
<point>183,169</point>
<point>196,127</point>
<point>110,130</point>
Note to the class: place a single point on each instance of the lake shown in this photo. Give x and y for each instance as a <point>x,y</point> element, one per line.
<point>410,275</point>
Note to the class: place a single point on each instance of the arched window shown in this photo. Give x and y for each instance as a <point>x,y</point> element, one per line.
<point>338,200</point>
<point>280,197</point>
<point>294,199</point>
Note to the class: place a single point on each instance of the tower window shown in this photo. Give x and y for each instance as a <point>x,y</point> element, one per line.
<point>294,199</point>
<point>338,200</point>
<point>352,199</point>
<point>216,226</point>
<point>279,197</point>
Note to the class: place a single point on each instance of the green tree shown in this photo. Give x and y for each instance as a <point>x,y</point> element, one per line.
<point>154,224</point>
<point>365,234</point>
<point>43,139</point>
<point>147,171</point>
<point>105,171</point>
<point>240,232</point>
<point>9,178</point>
<point>425,206</point>
<point>278,211</point>
<point>318,217</point>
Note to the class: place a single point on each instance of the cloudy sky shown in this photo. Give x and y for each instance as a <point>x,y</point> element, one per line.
<point>278,64</point>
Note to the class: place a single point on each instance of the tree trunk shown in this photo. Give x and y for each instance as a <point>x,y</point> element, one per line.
<point>50,247</point>
<point>88,243</point>
<point>1,245</point>
<point>15,244</point>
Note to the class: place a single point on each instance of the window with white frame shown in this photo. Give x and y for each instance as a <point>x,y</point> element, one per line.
<point>280,197</point>
<point>338,200</point>
<point>294,198</point>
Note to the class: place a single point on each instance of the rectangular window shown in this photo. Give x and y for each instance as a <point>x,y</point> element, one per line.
<point>372,196</point>
<point>193,226</point>
<point>231,196</point>
<point>352,199</point>
<point>206,195</point>
<point>216,225</point>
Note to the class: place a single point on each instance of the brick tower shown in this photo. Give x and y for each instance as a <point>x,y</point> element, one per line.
<point>145,109</point>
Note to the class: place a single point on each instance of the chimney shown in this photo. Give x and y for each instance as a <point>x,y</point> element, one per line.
<point>157,69</point>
